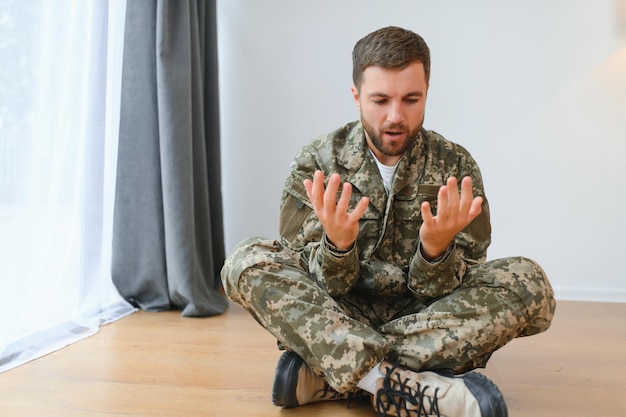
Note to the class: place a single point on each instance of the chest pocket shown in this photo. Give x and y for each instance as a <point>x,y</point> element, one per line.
<point>369,225</point>
<point>298,223</point>
<point>408,202</point>
<point>407,214</point>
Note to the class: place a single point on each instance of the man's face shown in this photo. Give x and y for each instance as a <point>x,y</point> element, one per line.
<point>392,104</point>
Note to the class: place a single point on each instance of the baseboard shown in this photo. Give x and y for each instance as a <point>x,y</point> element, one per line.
<point>607,295</point>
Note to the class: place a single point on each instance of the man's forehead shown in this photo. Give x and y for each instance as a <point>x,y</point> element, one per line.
<point>410,79</point>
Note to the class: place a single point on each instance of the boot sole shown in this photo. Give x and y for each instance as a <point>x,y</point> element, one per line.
<point>489,397</point>
<point>286,379</point>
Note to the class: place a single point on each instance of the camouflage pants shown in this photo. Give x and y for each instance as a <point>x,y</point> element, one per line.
<point>342,339</point>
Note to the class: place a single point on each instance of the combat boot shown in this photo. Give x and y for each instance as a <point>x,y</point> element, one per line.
<point>296,384</point>
<point>405,393</point>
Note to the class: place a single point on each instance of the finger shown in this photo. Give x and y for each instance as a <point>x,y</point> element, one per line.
<point>359,210</point>
<point>318,183</point>
<point>453,195</point>
<point>476,208</point>
<point>442,202</point>
<point>467,196</point>
<point>315,189</point>
<point>308,186</point>
<point>427,214</point>
<point>330,195</point>
<point>344,200</point>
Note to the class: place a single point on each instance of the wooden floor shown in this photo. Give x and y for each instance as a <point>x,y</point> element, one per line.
<point>159,364</point>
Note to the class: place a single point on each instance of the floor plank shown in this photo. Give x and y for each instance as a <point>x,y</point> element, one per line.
<point>161,364</point>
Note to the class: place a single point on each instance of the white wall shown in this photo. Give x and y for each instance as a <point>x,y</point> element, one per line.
<point>535,90</point>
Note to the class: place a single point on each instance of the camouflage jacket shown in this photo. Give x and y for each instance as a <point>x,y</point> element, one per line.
<point>386,259</point>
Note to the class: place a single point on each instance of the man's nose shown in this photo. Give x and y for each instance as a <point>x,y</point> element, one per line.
<point>395,115</point>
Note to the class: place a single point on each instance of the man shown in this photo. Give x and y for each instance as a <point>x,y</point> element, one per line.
<point>379,283</point>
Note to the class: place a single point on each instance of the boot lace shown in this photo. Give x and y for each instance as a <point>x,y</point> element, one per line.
<point>327,393</point>
<point>397,396</point>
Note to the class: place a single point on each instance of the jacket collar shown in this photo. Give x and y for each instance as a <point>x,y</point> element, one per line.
<point>363,172</point>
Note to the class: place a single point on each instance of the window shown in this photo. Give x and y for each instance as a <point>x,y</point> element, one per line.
<point>59,106</point>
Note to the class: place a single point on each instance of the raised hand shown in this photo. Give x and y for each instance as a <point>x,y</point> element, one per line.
<point>341,227</point>
<point>454,213</point>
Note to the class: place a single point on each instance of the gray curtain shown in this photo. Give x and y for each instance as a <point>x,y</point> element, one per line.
<point>167,234</point>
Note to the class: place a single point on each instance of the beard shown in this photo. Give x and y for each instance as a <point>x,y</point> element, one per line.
<point>390,149</point>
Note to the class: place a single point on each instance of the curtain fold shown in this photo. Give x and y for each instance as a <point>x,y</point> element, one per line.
<point>168,235</point>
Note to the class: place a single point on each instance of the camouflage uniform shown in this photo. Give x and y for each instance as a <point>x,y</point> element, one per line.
<point>343,312</point>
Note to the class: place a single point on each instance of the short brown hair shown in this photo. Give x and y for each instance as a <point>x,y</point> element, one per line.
<point>390,47</point>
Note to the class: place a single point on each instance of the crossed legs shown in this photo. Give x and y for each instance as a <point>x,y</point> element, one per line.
<point>344,339</point>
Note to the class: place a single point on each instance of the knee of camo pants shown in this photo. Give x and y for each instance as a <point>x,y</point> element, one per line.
<point>270,282</point>
<point>248,253</point>
<point>528,280</point>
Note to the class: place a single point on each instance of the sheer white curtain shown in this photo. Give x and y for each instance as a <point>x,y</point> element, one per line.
<point>60,78</point>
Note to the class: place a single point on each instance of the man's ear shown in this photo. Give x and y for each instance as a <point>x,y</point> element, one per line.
<point>355,96</point>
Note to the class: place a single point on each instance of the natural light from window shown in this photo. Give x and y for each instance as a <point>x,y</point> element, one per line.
<point>59,82</point>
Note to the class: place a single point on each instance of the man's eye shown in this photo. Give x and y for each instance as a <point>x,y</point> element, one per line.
<point>412,100</point>
<point>381,101</point>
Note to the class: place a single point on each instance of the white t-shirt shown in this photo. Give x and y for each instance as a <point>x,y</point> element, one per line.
<point>386,172</point>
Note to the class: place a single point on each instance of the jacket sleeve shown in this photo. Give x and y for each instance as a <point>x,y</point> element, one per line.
<point>443,275</point>
<point>335,271</point>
